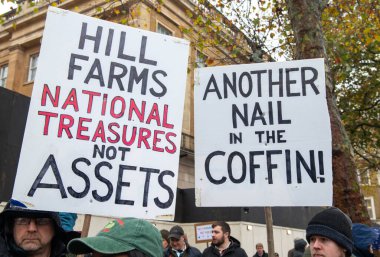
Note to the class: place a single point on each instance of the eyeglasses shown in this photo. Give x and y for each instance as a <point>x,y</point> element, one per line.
<point>37,221</point>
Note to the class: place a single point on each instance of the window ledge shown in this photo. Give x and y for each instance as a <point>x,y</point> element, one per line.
<point>28,83</point>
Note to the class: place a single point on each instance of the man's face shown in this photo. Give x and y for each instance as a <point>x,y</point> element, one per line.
<point>33,234</point>
<point>177,244</point>
<point>260,250</point>
<point>324,247</point>
<point>218,237</point>
<point>164,243</point>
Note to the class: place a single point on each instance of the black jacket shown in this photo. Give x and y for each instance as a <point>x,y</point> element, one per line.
<point>234,250</point>
<point>264,254</point>
<point>7,246</point>
<point>299,247</point>
<point>189,252</point>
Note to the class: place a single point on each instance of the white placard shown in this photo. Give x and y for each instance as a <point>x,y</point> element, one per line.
<point>203,232</point>
<point>262,135</point>
<point>105,119</point>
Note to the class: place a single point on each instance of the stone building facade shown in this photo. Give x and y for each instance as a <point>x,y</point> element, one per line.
<point>21,34</point>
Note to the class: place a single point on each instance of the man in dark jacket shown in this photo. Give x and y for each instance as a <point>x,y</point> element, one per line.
<point>29,233</point>
<point>299,247</point>
<point>179,247</point>
<point>223,244</point>
<point>260,251</point>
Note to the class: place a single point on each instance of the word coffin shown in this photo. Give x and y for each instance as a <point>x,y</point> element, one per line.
<point>104,126</point>
<point>262,135</point>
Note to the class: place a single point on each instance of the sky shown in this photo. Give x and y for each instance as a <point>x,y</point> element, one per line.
<point>4,7</point>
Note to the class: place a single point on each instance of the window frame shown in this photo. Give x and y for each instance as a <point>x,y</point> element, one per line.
<point>3,80</point>
<point>165,28</point>
<point>370,207</point>
<point>32,70</point>
<point>364,178</point>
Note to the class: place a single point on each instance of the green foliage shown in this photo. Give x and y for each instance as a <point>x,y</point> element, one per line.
<point>351,30</point>
<point>353,45</point>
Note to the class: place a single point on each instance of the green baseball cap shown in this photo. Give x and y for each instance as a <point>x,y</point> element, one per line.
<point>120,236</point>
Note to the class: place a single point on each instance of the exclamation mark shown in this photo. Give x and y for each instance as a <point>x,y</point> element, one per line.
<point>321,167</point>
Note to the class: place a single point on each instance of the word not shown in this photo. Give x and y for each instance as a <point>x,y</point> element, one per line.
<point>110,152</point>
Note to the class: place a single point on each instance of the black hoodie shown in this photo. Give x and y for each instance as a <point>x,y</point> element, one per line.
<point>234,250</point>
<point>299,247</point>
<point>8,248</point>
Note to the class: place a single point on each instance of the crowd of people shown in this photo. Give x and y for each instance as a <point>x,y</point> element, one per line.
<point>31,233</point>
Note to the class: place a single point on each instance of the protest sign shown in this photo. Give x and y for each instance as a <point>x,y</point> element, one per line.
<point>104,124</point>
<point>262,135</point>
<point>203,232</point>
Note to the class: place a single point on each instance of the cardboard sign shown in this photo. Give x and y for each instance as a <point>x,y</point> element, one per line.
<point>203,232</point>
<point>262,135</point>
<point>104,125</point>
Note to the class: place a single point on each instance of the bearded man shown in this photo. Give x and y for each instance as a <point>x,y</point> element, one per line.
<point>223,244</point>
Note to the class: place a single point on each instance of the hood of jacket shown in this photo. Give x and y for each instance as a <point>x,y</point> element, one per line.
<point>234,241</point>
<point>16,209</point>
<point>299,245</point>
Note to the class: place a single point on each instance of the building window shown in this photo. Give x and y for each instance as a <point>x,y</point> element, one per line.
<point>370,207</point>
<point>32,67</point>
<point>3,75</point>
<point>200,60</point>
<point>162,30</point>
<point>364,178</point>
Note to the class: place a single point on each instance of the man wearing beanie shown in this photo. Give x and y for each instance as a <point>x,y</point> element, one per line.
<point>127,237</point>
<point>329,234</point>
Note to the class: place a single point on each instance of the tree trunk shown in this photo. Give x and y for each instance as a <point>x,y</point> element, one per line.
<point>305,18</point>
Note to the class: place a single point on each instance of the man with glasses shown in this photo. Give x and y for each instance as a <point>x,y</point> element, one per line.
<point>31,233</point>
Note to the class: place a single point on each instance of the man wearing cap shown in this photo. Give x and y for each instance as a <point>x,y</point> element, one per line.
<point>179,247</point>
<point>31,233</point>
<point>127,237</point>
<point>329,234</point>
